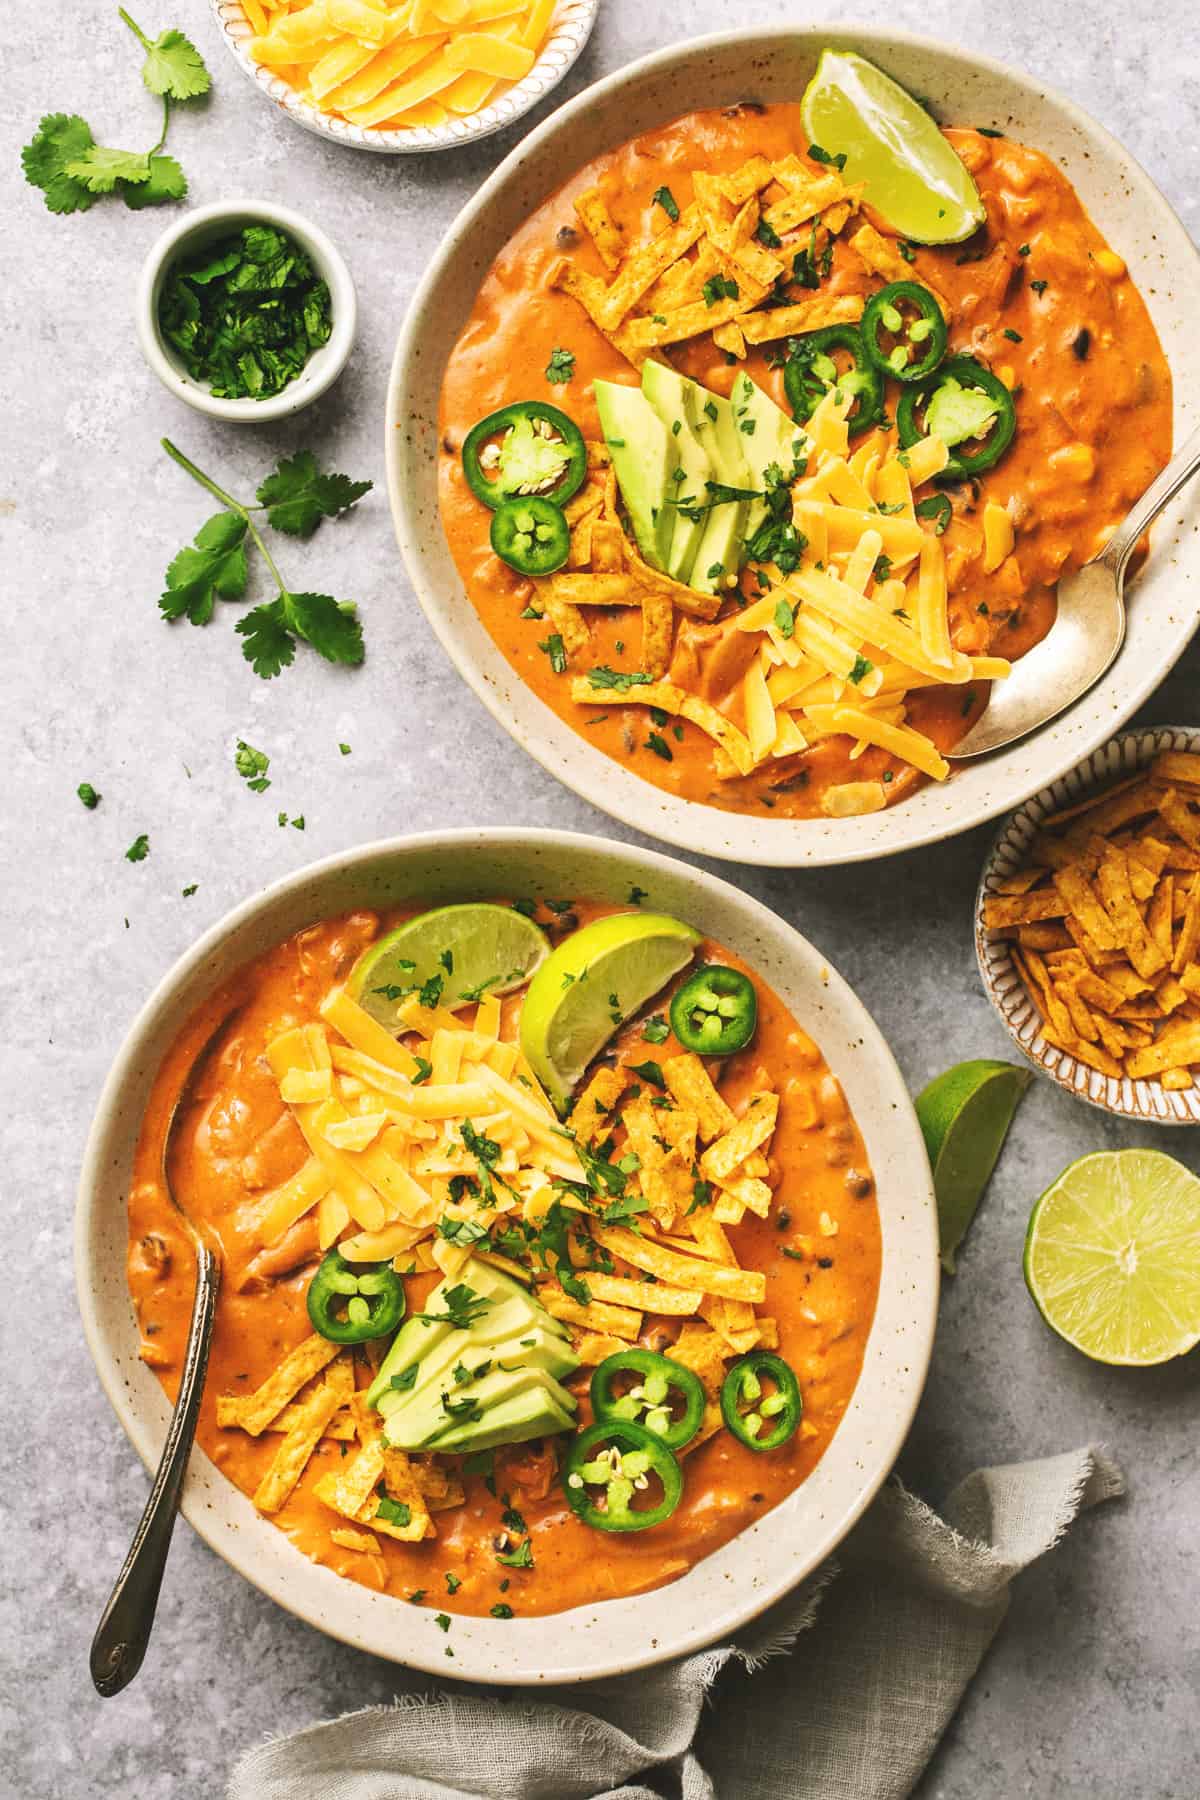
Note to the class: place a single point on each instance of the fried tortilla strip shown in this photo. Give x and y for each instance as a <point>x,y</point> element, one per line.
<point>254,1412</point>
<point>580,554</point>
<point>658,631</point>
<point>315,1414</point>
<point>644,266</point>
<point>665,1143</point>
<point>652,1297</point>
<point>672,699</point>
<point>592,1347</point>
<point>880,256</point>
<point>731,339</point>
<point>621,1321</point>
<point>348,1539</point>
<point>568,621</point>
<point>644,334</point>
<point>699,1348</point>
<point>590,293</point>
<point>1176,1047</point>
<point>591,1116</point>
<point>1083,1052</point>
<point>752,1129</point>
<point>616,589</point>
<point>690,1087</point>
<point>1083,902</point>
<point>593,214</point>
<point>404,1493</point>
<point>1043,937</point>
<point>1180,767</point>
<point>341,1428</point>
<point>1160,915</point>
<point>686,599</point>
<point>750,1194</point>
<point>350,1490</point>
<point>588,500</point>
<point>806,315</point>
<point>1189,931</point>
<point>686,1272</point>
<point>1112,879</point>
<point>1183,823</point>
<point>808,195</point>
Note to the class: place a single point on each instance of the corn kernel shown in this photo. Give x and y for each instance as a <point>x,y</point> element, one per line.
<point>998,536</point>
<point>1110,264</point>
<point>1076,461</point>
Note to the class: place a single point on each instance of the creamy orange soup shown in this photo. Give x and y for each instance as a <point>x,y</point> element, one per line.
<point>819,1249</point>
<point>1036,295</point>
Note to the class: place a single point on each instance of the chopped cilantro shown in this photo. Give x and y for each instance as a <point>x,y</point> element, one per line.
<point>656,1030</point>
<point>252,766</point>
<point>87,793</point>
<point>665,198</point>
<point>555,649</point>
<point>139,850</point>
<point>656,742</point>
<point>561,367</point>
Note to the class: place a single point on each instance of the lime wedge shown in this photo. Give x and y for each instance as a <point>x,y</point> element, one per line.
<point>914,179</point>
<point>1112,1257</point>
<point>965,1115</point>
<point>587,988</point>
<point>457,953</point>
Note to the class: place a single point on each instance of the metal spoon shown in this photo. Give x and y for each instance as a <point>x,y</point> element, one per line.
<point>1085,636</point>
<point>124,1629</point>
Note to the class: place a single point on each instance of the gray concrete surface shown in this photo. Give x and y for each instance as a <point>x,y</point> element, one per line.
<point>1092,1689</point>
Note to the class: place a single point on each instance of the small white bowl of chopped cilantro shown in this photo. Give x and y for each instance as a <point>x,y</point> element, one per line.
<point>246,311</point>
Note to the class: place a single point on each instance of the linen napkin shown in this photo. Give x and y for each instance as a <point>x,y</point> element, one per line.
<point>839,1692</point>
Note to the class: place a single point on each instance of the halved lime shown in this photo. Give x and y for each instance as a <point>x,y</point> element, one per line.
<point>964,1116</point>
<point>852,109</point>
<point>1112,1257</point>
<point>456,954</point>
<point>590,985</point>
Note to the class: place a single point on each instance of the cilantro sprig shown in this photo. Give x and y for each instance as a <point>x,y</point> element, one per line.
<point>295,498</point>
<point>73,170</point>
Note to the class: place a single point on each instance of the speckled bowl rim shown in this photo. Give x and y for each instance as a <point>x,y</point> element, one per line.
<point>715,71</point>
<point>1147,1102</point>
<point>571,30</point>
<point>770,1556</point>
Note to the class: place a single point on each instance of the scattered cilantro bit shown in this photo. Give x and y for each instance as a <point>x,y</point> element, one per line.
<point>512,1520</point>
<point>720,287</point>
<point>637,895</point>
<point>464,1232</point>
<point>908,252</point>
<point>938,508</point>
<point>442,1621</point>
<point>431,990</point>
<point>838,161</point>
<point>651,1072</point>
<point>393,1512</point>
<point>424,1070</point>
<point>87,793</point>
<point>502,1610</point>
<point>416,1597</point>
<point>811,267</point>
<point>987,131</point>
<point>1039,287</point>
<point>139,850</point>
<point>785,619</point>
<point>406,1380</point>
<point>556,650</point>
<point>656,1030</point>
<point>656,742</point>
<point>1082,343</point>
<point>298,496</point>
<point>244,315</point>
<point>1014,337</point>
<point>665,198</point>
<point>521,1558</point>
<point>453,1582</point>
<point>882,569</point>
<point>215,564</point>
<point>187,892</point>
<point>617,678</point>
<point>561,367</point>
<point>463,1307</point>
<point>767,235</point>
<point>627,1207</point>
<point>1024,249</point>
<point>345,749</point>
<point>702,1193</point>
<point>252,766</point>
<point>862,668</point>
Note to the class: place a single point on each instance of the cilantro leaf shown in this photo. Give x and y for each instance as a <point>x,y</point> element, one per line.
<point>166,181</point>
<point>298,496</point>
<point>252,766</point>
<point>215,563</point>
<point>100,169</point>
<point>656,1030</point>
<point>139,850</point>
<point>87,793</point>
<point>521,1558</point>
<point>561,367</point>
<point>393,1512</point>
<point>269,646</point>
<point>330,626</point>
<point>173,66</point>
<point>61,138</point>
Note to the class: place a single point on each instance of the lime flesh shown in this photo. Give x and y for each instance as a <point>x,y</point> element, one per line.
<point>964,1116</point>
<point>470,950</point>
<point>587,988</point>
<point>1112,1257</point>
<point>913,177</point>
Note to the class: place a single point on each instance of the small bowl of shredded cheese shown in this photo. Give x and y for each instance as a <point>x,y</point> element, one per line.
<point>405,76</point>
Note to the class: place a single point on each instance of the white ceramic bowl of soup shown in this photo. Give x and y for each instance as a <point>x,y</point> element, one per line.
<point>775,65</point>
<point>763,1562</point>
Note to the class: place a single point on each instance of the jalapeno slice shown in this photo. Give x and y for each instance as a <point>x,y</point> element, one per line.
<point>527,448</point>
<point>746,1406</point>
<point>963,402</point>
<point>810,372</point>
<point>531,535</point>
<point>374,1296</point>
<point>917,344</point>
<point>620,1457</point>
<point>647,1400</point>
<point>715,1012</point>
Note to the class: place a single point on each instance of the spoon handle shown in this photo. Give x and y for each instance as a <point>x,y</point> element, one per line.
<point>1181,468</point>
<point>124,1629</point>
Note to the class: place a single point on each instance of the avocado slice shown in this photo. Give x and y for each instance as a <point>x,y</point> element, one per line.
<point>531,1347</point>
<point>720,551</point>
<point>538,1412</point>
<point>645,457</point>
<point>429,1420</point>
<point>667,392</point>
<point>774,439</point>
